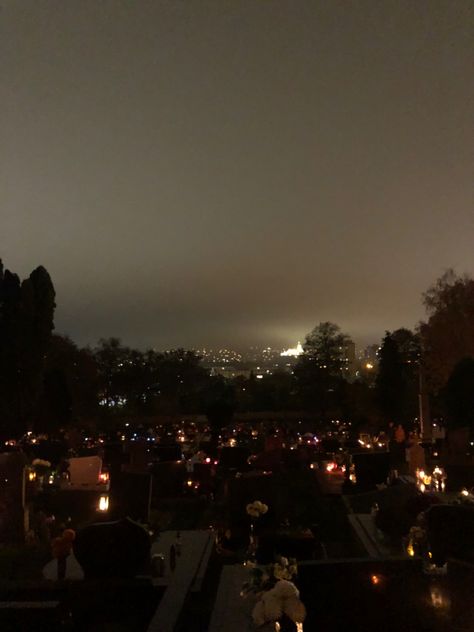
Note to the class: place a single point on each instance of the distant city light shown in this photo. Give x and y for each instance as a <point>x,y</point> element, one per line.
<point>294,352</point>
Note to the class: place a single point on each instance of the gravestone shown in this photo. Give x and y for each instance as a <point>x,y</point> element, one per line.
<point>168,479</point>
<point>451,532</point>
<point>415,456</point>
<point>139,456</point>
<point>167,452</point>
<point>371,469</point>
<point>112,549</point>
<point>130,495</point>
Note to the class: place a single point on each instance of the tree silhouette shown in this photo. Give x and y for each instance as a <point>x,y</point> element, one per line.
<point>71,385</point>
<point>26,324</point>
<point>459,395</point>
<point>397,381</point>
<point>448,335</point>
<point>320,370</point>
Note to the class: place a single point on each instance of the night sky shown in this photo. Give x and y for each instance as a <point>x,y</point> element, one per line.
<point>234,172</point>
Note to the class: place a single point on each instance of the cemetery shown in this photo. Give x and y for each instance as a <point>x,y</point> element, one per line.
<point>126,537</point>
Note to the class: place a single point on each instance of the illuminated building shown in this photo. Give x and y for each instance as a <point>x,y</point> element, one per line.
<point>294,352</point>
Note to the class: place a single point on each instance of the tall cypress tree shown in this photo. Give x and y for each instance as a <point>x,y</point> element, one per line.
<point>26,324</point>
<point>37,294</point>
<point>10,336</point>
<point>389,384</point>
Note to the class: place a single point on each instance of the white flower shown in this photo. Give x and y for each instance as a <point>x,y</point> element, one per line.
<point>294,608</point>
<point>284,589</point>
<point>283,597</point>
<point>273,607</point>
<point>256,509</point>
<point>250,508</point>
<point>279,572</point>
<point>258,613</point>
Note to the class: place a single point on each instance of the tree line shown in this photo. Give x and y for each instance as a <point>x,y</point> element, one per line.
<point>47,382</point>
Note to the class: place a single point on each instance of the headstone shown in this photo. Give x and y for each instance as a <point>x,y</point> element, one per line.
<point>130,495</point>
<point>139,455</point>
<point>450,532</point>
<point>84,471</point>
<point>168,478</point>
<point>167,452</point>
<point>371,469</point>
<point>415,456</point>
<point>112,549</point>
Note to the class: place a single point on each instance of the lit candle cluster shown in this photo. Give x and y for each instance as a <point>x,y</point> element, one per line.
<point>434,482</point>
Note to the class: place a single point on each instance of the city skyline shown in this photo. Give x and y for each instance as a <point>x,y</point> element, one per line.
<point>210,173</point>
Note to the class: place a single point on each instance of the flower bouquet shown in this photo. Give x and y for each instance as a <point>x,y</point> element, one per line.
<point>263,578</point>
<point>280,601</point>
<point>256,509</point>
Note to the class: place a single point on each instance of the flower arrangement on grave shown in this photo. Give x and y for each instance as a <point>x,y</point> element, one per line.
<point>278,597</point>
<point>61,548</point>
<point>282,600</point>
<point>62,545</point>
<point>256,509</point>
<point>263,578</point>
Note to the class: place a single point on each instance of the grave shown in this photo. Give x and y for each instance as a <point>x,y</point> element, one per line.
<point>371,469</point>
